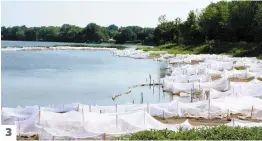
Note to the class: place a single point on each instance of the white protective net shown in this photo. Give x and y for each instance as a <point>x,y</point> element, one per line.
<point>208,86</point>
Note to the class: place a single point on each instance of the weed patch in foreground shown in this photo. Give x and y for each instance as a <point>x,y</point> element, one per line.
<point>221,132</point>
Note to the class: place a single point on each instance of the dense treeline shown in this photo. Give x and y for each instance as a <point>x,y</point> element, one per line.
<point>233,21</point>
<point>222,21</point>
<point>92,33</point>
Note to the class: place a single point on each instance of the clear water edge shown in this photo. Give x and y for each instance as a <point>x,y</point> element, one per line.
<point>87,77</point>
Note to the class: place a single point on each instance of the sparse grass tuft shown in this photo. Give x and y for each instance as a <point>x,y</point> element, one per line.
<point>240,68</point>
<point>33,137</point>
<point>215,77</point>
<point>240,80</point>
<point>154,55</point>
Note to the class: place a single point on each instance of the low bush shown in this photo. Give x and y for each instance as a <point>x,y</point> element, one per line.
<point>221,132</point>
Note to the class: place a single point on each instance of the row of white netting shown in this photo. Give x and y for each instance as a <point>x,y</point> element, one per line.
<point>94,125</point>
<point>205,97</point>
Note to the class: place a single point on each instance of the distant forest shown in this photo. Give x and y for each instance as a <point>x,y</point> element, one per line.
<point>233,21</point>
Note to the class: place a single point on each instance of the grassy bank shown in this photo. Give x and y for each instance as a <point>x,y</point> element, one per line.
<point>239,49</point>
<point>221,132</point>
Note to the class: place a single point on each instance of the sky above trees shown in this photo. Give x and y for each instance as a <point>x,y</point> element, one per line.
<point>104,13</point>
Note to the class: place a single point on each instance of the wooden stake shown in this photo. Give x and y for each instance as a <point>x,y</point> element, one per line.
<point>191,97</point>
<point>116,108</point>
<point>39,113</point>
<point>89,108</point>
<point>209,108</point>
<point>142,100</point>
<point>177,107</point>
<point>149,79</point>
<point>199,85</point>
<point>144,117</point>
<point>227,114</point>
<point>104,136</point>
<point>147,107</point>
<point>159,86</point>
<point>18,127</point>
<point>78,107</point>
<point>83,117</point>
<point>251,112</point>
<point>159,97</point>
<point>153,87</point>
<point>116,120</point>
<point>163,114</point>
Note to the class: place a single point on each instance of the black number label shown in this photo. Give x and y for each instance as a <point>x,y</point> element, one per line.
<point>8,132</point>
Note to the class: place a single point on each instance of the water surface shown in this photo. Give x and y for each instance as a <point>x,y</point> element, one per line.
<point>68,76</point>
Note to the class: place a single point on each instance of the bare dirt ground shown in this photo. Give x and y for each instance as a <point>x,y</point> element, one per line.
<point>202,121</point>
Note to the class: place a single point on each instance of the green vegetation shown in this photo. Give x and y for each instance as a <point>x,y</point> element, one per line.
<point>197,93</point>
<point>232,27</point>
<point>215,77</point>
<point>236,49</point>
<point>221,132</point>
<point>223,21</point>
<point>148,49</point>
<point>92,33</point>
<point>240,80</point>
<point>177,93</point>
<point>154,55</point>
<point>240,68</point>
<point>259,78</point>
<point>33,137</point>
<point>259,57</point>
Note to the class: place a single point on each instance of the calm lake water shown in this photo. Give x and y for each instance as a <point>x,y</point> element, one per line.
<point>39,44</point>
<point>32,43</point>
<point>69,76</point>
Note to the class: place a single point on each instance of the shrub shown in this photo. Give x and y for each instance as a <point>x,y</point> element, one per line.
<point>221,132</point>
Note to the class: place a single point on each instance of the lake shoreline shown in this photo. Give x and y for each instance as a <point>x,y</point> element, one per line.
<point>54,48</point>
